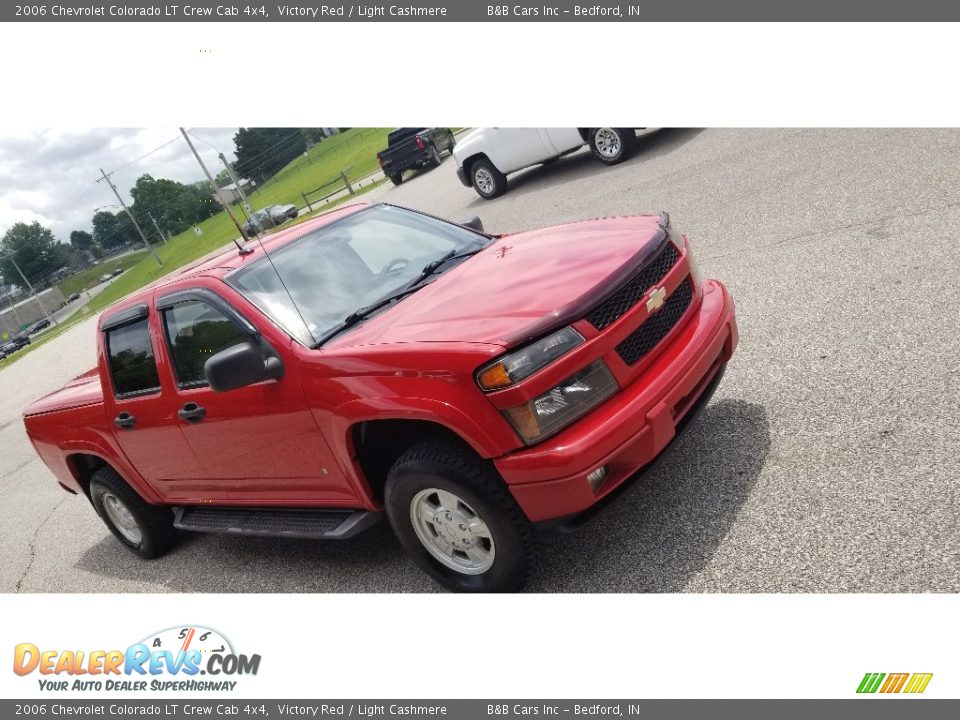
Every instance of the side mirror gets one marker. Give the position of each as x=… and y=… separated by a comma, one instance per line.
x=239, y=366
x=474, y=223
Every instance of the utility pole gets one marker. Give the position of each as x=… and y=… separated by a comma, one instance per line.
x=216, y=193
x=16, y=314
x=33, y=292
x=243, y=198
x=132, y=218
x=156, y=227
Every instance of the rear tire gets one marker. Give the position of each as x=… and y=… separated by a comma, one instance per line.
x=456, y=519
x=487, y=180
x=396, y=179
x=145, y=529
x=612, y=145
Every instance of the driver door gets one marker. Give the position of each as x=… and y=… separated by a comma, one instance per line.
x=259, y=444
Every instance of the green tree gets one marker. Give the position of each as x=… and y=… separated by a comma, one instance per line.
x=261, y=152
x=222, y=178
x=107, y=232
x=81, y=239
x=34, y=250
x=172, y=204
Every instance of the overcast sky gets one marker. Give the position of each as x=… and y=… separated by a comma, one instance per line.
x=50, y=175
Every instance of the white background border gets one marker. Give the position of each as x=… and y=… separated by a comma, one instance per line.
x=523, y=646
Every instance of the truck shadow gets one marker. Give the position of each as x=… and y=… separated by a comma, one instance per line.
x=664, y=533
x=655, y=539
x=582, y=164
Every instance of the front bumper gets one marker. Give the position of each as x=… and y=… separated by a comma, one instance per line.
x=462, y=177
x=630, y=430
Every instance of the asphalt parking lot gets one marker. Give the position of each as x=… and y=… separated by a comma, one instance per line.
x=827, y=461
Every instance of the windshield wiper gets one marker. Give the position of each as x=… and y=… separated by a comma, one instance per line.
x=432, y=267
x=358, y=315
x=429, y=270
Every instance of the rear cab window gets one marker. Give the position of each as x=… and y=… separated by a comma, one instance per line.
x=133, y=366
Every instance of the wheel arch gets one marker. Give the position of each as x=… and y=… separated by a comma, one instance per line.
x=83, y=464
x=469, y=161
x=378, y=443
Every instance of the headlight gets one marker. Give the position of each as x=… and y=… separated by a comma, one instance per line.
x=554, y=410
x=692, y=264
x=516, y=366
x=684, y=245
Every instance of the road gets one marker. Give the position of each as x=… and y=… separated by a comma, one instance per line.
x=826, y=462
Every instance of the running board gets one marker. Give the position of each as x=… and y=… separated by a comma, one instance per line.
x=275, y=522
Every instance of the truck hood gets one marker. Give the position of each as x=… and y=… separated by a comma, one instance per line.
x=519, y=287
x=82, y=390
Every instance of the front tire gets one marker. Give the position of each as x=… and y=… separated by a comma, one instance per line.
x=612, y=145
x=455, y=518
x=145, y=529
x=487, y=180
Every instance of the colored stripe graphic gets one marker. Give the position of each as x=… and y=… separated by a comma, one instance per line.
x=870, y=682
x=894, y=682
x=918, y=683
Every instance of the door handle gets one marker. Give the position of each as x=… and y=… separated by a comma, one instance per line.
x=192, y=412
x=125, y=420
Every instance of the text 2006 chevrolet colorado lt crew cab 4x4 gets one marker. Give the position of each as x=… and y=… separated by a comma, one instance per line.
x=475, y=388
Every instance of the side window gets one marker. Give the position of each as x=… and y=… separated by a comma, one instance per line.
x=195, y=332
x=132, y=364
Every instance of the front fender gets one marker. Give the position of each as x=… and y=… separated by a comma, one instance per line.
x=425, y=409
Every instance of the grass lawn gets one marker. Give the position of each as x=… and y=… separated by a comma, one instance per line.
x=89, y=278
x=354, y=151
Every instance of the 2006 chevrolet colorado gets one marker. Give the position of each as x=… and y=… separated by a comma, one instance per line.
x=475, y=388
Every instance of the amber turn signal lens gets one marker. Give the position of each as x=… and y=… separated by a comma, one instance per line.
x=524, y=421
x=494, y=377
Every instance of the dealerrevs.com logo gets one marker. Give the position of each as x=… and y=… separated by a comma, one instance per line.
x=176, y=659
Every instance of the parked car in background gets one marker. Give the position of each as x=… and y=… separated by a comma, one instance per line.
x=72, y=298
x=38, y=326
x=271, y=216
x=473, y=388
x=117, y=271
x=281, y=213
x=263, y=219
x=9, y=347
x=487, y=155
x=414, y=148
x=106, y=277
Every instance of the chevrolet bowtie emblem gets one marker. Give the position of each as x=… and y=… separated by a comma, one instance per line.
x=655, y=301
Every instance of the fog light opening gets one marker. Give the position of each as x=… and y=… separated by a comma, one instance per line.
x=596, y=478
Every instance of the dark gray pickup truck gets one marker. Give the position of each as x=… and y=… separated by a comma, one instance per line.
x=414, y=148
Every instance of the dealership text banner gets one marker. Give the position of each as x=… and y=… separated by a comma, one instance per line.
x=472, y=11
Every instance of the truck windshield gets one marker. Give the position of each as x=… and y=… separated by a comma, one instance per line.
x=348, y=265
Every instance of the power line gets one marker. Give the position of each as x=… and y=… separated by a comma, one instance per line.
x=132, y=218
x=144, y=156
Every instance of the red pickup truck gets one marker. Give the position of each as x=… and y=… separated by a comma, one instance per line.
x=476, y=389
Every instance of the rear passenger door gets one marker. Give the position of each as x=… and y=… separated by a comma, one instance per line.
x=147, y=432
x=260, y=443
